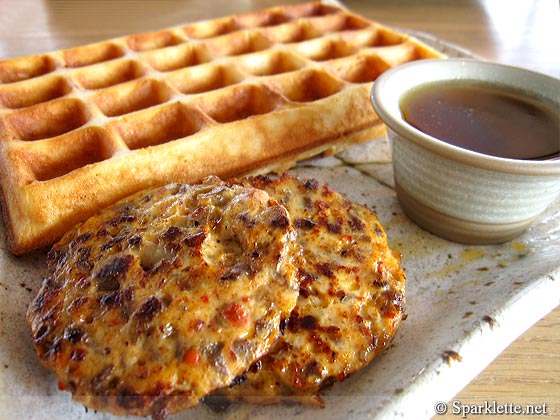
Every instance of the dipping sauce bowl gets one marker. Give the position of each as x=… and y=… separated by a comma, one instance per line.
x=454, y=191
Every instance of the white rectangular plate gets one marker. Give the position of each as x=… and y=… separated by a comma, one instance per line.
x=465, y=304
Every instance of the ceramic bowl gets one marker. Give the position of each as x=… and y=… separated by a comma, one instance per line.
x=453, y=192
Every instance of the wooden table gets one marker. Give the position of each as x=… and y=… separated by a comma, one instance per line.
x=523, y=33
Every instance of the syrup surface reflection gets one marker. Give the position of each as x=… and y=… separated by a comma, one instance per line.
x=485, y=118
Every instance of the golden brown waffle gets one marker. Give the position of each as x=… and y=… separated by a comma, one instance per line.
x=83, y=127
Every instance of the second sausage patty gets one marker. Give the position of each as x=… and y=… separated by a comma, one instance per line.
x=351, y=296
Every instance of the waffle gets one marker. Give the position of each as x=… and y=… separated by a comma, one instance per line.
x=249, y=93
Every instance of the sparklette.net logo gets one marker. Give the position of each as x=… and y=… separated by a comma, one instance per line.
x=489, y=408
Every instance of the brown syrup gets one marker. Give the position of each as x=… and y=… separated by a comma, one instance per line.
x=485, y=118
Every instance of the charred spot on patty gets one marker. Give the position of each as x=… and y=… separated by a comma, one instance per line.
x=73, y=334
x=108, y=277
x=235, y=271
x=356, y=224
x=149, y=309
x=171, y=233
x=304, y=223
x=280, y=220
x=311, y=184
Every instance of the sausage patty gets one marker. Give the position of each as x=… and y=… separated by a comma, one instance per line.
x=166, y=296
x=350, y=301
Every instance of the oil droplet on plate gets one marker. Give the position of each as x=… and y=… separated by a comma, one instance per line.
x=471, y=254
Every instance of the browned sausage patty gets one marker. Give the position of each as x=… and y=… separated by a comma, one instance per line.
x=350, y=301
x=166, y=296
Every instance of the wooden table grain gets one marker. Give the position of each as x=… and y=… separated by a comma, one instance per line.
x=522, y=33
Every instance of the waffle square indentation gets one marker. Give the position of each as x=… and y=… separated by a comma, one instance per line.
x=239, y=102
x=271, y=62
x=158, y=125
x=310, y=10
x=204, y=78
x=47, y=119
x=292, y=32
x=152, y=40
x=308, y=86
x=25, y=68
x=362, y=68
x=271, y=17
x=373, y=37
x=92, y=54
x=333, y=23
x=237, y=43
x=108, y=74
x=322, y=50
x=131, y=96
x=173, y=58
x=33, y=91
x=70, y=152
x=211, y=28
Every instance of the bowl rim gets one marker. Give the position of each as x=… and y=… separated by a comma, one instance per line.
x=394, y=121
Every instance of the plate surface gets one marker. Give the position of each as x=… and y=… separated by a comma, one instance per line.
x=465, y=304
